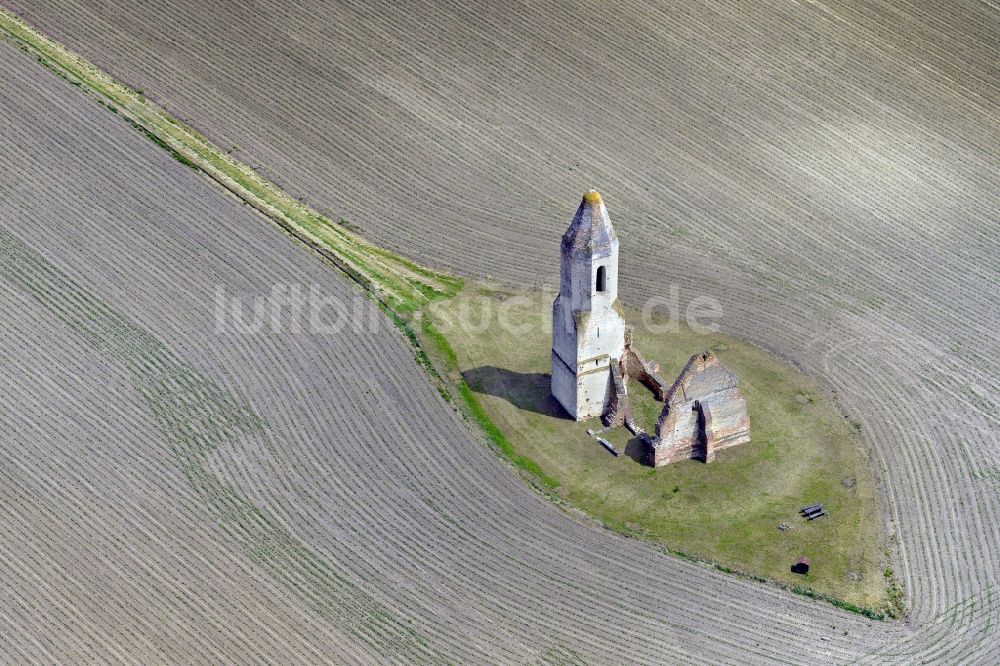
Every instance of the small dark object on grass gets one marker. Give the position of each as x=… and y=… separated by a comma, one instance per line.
x=813, y=511
x=802, y=566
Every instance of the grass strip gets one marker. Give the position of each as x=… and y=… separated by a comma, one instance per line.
x=399, y=283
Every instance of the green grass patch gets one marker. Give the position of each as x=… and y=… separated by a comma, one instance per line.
x=725, y=514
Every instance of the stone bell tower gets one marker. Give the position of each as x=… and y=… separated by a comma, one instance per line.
x=588, y=331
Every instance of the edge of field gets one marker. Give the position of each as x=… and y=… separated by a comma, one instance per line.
x=395, y=281
x=401, y=287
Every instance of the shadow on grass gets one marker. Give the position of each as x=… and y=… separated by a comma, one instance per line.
x=530, y=391
x=638, y=450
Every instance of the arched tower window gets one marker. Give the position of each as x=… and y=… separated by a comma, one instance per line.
x=602, y=279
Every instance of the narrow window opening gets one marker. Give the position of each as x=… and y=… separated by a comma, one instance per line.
x=602, y=279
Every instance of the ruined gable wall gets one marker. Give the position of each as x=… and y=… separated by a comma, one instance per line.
x=705, y=389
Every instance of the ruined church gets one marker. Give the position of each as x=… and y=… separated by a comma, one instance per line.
x=593, y=356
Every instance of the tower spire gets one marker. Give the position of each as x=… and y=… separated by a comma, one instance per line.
x=591, y=229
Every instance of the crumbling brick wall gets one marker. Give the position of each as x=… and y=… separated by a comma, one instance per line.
x=704, y=412
x=618, y=411
x=648, y=373
x=630, y=366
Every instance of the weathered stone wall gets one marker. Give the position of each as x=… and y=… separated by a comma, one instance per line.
x=704, y=412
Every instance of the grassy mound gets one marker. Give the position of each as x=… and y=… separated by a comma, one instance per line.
x=728, y=512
